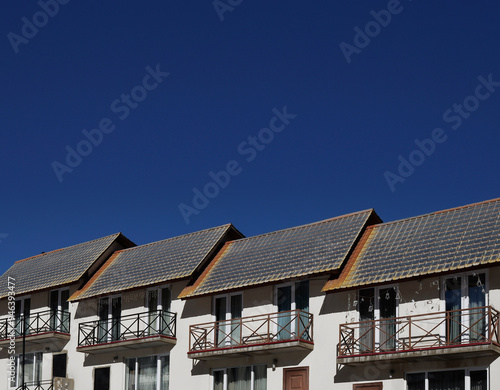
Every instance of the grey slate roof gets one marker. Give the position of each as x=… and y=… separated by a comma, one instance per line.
x=154, y=263
x=434, y=243
x=296, y=252
x=56, y=268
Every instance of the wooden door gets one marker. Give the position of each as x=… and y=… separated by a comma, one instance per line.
x=368, y=386
x=296, y=378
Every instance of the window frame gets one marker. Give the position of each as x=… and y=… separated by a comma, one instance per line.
x=376, y=304
x=466, y=375
x=160, y=303
x=376, y=307
x=59, y=321
x=293, y=285
x=465, y=302
x=110, y=317
x=224, y=370
x=464, y=291
x=158, y=358
x=18, y=357
x=228, y=304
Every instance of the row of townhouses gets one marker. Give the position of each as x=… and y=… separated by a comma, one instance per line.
x=348, y=303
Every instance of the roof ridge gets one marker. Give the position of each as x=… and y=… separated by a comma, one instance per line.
x=67, y=247
x=174, y=238
x=437, y=212
x=302, y=226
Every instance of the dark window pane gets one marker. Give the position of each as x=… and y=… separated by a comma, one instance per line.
x=479, y=380
x=59, y=365
x=101, y=378
x=415, y=381
x=218, y=380
x=447, y=380
x=302, y=295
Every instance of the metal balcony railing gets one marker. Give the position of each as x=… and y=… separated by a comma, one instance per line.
x=447, y=329
x=293, y=325
x=129, y=327
x=36, y=323
x=37, y=385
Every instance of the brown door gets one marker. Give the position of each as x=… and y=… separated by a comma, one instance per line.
x=368, y=386
x=296, y=378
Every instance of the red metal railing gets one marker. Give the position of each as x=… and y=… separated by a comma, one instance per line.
x=474, y=326
x=292, y=325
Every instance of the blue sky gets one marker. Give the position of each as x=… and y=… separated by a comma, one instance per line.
x=183, y=89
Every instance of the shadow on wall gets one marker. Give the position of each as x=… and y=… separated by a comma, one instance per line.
x=284, y=359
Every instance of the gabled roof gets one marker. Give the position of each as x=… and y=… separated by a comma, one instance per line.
x=158, y=262
x=59, y=267
x=439, y=242
x=311, y=249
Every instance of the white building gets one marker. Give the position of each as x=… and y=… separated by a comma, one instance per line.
x=40, y=309
x=345, y=303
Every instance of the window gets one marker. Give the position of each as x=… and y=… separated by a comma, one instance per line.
x=101, y=378
x=109, y=312
x=241, y=378
x=32, y=368
x=148, y=373
x=227, y=311
x=465, y=291
x=59, y=363
x=378, y=303
x=22, y=311
x=59, y=310
x=290, y=297
x=158, y=304
x=472, y=379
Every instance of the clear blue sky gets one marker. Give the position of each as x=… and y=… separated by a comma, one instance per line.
x=358, y=108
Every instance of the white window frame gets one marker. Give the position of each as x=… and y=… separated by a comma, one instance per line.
x=158, y=369
x=110, y=312
x=464, y=291
x=159, y=297
x=293, y=304
x=23, y=299
x=159, y=305
x=228, y=309
x=376, y=305
x=467, y=375
x=465, y=286
x=225, y=369
x=59, y=303
x=18, y=367
x=228, y=304
x=292, y=285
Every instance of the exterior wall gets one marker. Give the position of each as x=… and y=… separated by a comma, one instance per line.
x=82, y=365
x=419, y=297
x=260, y=300
x=39, y=303
x=329, y=312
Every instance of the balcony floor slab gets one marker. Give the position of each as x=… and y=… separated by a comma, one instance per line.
x=259, y=349
x=133, y=344
x=440, y=353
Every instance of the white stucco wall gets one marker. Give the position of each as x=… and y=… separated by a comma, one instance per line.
x=329, y=312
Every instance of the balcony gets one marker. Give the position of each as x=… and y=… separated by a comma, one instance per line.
x=456, y=334
x=44, y=329
x=269, y=333
x=134, y=331
x=54, y=384
x=37, y=385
